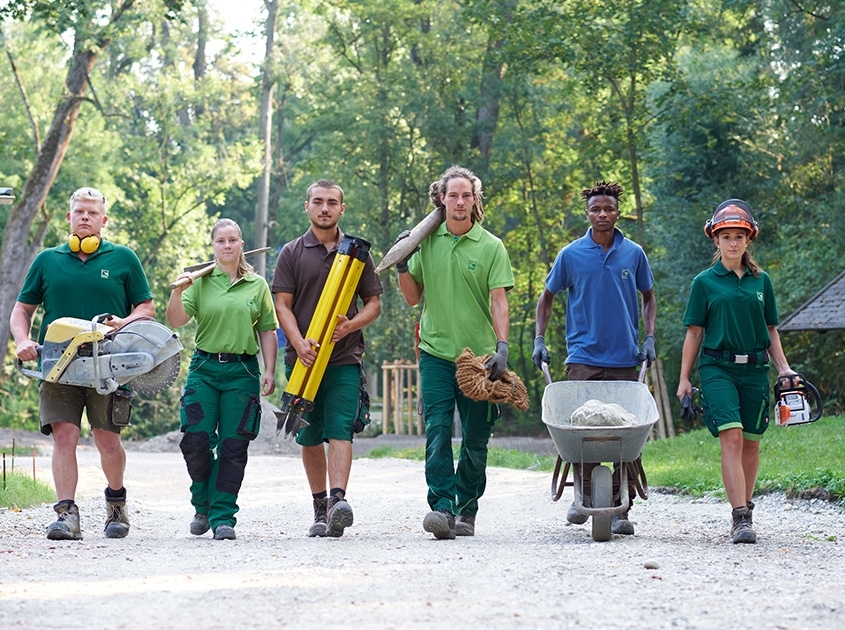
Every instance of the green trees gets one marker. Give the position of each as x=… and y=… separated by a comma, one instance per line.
x=684, y=103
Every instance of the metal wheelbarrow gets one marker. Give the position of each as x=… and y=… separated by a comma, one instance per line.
x=596, y=445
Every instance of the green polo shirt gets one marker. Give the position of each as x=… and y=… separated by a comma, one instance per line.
x=111, y=280
x=457, y=277
x=229, y=316
x=734, y=312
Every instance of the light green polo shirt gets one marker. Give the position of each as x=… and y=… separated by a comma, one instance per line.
x=229, y=316
x=734, y=312
x=457, y=276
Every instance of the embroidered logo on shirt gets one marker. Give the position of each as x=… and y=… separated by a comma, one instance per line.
x=104, y=274
x=625, y=274
x=471, y=265
x=759, y=296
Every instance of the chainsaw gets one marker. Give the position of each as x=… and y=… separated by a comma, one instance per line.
x=90, y=354
x=795, y=399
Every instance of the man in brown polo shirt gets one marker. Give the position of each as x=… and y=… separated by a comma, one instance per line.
x=301, y=272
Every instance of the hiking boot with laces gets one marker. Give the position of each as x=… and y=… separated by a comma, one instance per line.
x=339, y=516
x=620, y=524
x=320, y=526
x=741, y=530
x=465, y=525
x=441, y=523
x=750, y=506
x=224, y=532
x=199, y=525
x=66, y=527
x=117, y=522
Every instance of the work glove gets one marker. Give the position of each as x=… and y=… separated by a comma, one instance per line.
x=498, y=363
x=647, y=353
x=541, y=353
x=402, y=265
x=689, y=410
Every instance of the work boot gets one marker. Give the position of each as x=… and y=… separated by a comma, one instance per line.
x=320, y=526
x=117, y=523
x=620, y=524
x=574, y=516
x=224, y=532
x=199, y=525
x=465, y=525
x=66, y=527
x=741, y=531
x=339, y=515
x=440, y=523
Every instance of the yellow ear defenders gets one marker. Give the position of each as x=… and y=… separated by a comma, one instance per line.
x=87, y=244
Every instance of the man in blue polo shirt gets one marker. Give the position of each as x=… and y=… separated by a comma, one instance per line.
x=601, y=273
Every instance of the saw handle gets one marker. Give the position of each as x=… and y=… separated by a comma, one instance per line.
x=181, y=282
x=800, y=384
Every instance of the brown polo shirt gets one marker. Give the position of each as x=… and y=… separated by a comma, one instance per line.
x=301, y=270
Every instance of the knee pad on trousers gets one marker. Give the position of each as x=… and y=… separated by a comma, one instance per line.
x=195, y=447
x=231, y=465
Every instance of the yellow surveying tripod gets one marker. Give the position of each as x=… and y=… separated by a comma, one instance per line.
x=337, y=296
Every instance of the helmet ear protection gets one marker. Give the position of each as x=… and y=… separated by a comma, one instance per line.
x=733, y=213
x=87, y=244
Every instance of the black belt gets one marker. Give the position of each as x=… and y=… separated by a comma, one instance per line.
x=225, y=357
x=727, y=355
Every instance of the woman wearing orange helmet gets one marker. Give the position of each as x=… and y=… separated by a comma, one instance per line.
x=732, y=318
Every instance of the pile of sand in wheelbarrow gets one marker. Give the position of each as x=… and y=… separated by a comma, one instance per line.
x=595, y=413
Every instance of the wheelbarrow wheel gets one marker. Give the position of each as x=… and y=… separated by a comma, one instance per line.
x=602, y=496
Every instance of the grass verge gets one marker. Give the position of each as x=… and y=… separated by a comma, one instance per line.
x=23, y=491
x=799, y=460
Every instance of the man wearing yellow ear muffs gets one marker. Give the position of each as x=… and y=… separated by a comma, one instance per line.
x=84, y=277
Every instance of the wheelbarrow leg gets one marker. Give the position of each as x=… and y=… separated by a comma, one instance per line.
x=602, y=497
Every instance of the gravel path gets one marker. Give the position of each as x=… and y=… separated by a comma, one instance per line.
x=525, y=568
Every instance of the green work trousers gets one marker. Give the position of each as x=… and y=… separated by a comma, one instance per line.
x=456, y=491
x=220, y=414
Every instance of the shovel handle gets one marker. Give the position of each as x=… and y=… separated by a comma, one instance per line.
x=181, y=282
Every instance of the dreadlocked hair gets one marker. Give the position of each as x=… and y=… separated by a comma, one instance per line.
x=612, y=189
x=439, y=188
x=244, y=267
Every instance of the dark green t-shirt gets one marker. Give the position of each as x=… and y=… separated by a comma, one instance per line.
x=734, y=312
x=111, y=280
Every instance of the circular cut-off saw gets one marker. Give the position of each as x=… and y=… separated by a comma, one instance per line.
x=90, y=354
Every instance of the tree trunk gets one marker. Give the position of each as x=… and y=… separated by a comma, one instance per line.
x=264, y=134
x=202, y=42
x=17, y=251
x=487, y=116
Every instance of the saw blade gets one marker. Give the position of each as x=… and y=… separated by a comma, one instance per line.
x=159, y=378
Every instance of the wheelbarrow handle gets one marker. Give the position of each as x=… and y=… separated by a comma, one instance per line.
x=546, y=373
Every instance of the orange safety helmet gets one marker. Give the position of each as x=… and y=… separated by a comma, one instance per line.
x=733, y=213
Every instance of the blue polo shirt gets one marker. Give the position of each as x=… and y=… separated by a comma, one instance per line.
x=602, y=305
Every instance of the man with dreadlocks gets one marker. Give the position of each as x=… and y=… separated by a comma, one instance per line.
x=601, y=273
x=465, y=274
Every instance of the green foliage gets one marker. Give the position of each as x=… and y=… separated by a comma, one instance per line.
x=686, y=103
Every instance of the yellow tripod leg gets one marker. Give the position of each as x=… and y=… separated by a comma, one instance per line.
x=335, y=299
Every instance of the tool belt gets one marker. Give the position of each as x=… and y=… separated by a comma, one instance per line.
x=727, y=355
x=225, y=357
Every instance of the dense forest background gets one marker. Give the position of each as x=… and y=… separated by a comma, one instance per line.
x=685, y=102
